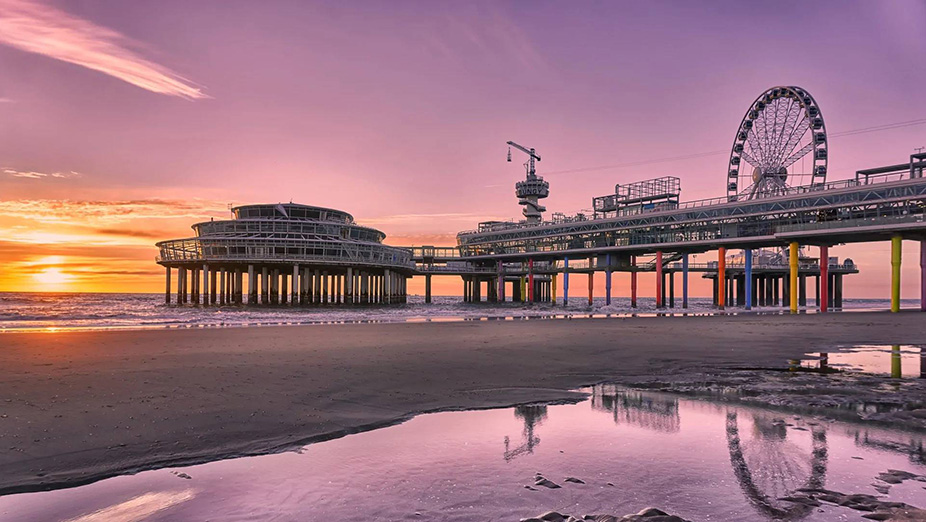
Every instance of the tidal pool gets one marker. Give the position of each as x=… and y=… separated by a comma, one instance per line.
x=897, y=360
x=627, y=449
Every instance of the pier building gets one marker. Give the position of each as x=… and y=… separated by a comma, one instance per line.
x=288, y=254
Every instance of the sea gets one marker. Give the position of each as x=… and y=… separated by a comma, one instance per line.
x=35, y=312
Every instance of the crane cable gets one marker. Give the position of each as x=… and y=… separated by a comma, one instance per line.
x=853, y=132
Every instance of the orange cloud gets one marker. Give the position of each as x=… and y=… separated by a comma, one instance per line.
x=39, y=175
x=76, y=211
x=45, y=30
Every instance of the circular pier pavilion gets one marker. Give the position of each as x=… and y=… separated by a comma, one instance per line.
x=286, y=254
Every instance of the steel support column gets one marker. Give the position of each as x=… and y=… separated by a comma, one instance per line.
x=923, y=280
x=607, y=281
x=721, y=277
x=685, y=281
x=792, y=262
x=566, y=281
x=659, y=279
x=747, y=257
x=633, y=281
x=530, y=280
x=896, y=245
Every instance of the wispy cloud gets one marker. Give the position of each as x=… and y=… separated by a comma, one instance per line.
x=7, y=100
x=39, y=175
x=74, y=211
x=45, y=30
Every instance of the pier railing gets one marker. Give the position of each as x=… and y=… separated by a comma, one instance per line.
x=205, y=251
x=859, y=181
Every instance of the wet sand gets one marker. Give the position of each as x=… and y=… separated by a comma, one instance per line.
x=79, y=406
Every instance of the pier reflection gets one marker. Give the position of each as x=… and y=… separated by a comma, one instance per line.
x=533, y=415
x=650, y=411
x=897, y=361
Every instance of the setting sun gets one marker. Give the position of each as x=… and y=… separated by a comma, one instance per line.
x=52, y=276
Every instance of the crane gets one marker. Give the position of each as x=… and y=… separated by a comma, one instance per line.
x=531, y=172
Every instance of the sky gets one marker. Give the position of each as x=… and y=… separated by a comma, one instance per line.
x=122, y=123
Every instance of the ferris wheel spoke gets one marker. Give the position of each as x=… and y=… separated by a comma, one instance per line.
x=749, y=159
x=799, y=132
x=798, y=155
x=786, y=129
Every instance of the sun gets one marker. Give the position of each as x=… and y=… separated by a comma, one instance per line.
x=52, y=276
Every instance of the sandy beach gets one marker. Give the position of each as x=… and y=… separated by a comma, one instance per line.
x=79, y=406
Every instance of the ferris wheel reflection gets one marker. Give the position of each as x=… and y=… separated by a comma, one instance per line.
x=770, y=463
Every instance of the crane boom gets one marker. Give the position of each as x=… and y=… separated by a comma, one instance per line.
x=529, y=152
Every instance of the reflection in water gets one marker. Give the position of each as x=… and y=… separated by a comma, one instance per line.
x=769, y=466
x=898, y=443
x=897, y=361
x=136, y=508
x=533, y=416
x=726, y=462
x=653, y=412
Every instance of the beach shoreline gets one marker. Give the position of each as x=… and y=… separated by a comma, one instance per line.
x=81, y=406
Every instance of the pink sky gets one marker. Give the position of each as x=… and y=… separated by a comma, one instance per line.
x=120, y=117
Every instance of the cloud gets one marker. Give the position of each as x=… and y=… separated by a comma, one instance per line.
x=39, y=175
x=76, y=211
x=45, y=30
x=7, y=100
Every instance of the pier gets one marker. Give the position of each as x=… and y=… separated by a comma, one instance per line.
x=771, y=232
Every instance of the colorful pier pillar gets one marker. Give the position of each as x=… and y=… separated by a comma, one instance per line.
x=500, y=280
x=721, y=277
x=896, y=243
x=896, y=368
x=553, y=288
x=591, y=279
x=923, y=277
x=792, y=261
x=659, y=279
x=607, y=281
x=565, y=281
x=530, y=280
x=824, y=278
x=523, y=289
x=685, y=281
x=633, y=281
x=747, y=278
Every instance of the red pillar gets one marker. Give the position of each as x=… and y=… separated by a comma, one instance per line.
x=633, y=280
x=658, y=279
x=824, y=277
x=591, y=280
x=721, y=276
x=530, y=280
x=923, y=277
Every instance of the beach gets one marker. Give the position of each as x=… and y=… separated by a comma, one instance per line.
x=79, y=406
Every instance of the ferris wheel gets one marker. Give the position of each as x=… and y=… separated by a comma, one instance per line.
x=780, y=144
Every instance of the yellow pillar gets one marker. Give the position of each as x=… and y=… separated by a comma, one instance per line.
x=523, y=289
x=792, y=258
x=896, y=372
x=553, y=288
x=896, y=243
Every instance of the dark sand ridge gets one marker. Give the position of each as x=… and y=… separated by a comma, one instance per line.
x=79, y=406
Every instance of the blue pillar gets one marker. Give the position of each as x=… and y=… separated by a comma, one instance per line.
x=607, y=281
x=685, y=281
x=748, y=255
x=565, y=281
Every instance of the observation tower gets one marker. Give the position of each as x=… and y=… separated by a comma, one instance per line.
x=292, y=253
x=532, y=189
